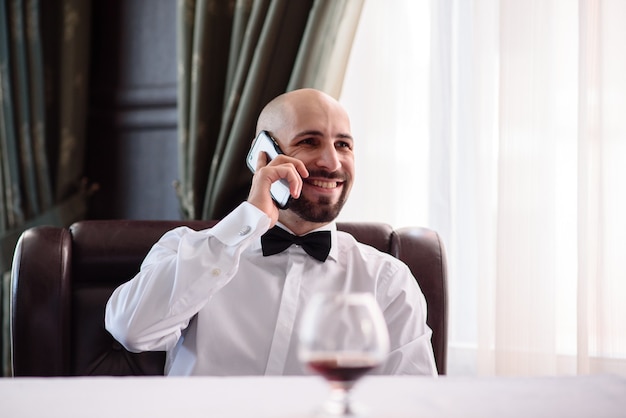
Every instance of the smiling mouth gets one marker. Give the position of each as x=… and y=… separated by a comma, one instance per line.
x=325, y=184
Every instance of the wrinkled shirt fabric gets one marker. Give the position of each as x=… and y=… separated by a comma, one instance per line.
x=217, y=306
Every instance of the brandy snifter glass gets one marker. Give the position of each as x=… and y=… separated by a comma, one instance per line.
x=342, y=337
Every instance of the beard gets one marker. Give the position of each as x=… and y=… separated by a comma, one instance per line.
x=320, y=210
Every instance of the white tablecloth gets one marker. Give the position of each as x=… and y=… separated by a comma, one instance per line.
x=276, y=397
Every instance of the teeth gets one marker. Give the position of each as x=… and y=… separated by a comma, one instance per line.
x=324, y=184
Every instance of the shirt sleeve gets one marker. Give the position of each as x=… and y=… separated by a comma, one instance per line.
x=404, y=309
x=177, y=278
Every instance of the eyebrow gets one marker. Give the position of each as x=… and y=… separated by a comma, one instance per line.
x=314, y=132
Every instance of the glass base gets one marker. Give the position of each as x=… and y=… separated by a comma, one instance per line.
x=340, y=404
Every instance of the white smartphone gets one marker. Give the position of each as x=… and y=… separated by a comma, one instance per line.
x=280, y=188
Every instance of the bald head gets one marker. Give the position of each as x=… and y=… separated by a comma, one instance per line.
x=292, y=108
x=312, y=127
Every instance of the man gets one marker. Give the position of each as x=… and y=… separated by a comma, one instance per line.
x=219, y=304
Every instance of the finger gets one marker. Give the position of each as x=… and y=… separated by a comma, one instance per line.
x=296, y=163
x=286, y=172
x=262, y=160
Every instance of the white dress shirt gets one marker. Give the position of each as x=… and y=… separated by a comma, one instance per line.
x=219, y=307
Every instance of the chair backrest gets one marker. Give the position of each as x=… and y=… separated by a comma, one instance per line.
x=62, y=278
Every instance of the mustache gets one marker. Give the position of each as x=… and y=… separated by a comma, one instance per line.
x=335, y=175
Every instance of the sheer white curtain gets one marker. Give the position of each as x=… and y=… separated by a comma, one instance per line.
x=502, y=125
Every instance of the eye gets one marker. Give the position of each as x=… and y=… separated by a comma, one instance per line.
x=306, y=141
x=344, y=144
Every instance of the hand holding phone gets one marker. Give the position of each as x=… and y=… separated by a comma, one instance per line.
x=280, y=188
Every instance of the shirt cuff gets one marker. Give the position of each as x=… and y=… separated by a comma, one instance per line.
x=246, y=222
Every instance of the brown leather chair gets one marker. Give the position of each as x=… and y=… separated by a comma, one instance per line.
x=62, y=278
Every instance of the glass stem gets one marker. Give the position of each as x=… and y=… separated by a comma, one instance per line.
x=339, y=402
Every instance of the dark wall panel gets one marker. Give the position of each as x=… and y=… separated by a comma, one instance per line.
x=132, y=128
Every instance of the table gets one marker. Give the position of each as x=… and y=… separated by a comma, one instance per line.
x=278, y=397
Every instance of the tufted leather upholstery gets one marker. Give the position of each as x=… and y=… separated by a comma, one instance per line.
x=62, y=278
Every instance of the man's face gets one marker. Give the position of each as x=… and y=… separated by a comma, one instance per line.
x=319, y=135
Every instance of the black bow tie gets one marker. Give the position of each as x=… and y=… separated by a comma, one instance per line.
x=316, y=244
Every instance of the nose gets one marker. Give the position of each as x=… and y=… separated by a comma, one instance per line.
x=328, y=159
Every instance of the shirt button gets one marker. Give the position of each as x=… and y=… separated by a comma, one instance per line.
x=216, y=272
x=245, y=230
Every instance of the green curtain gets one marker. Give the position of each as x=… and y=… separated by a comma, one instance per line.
x=43, y=82
x=233, y=57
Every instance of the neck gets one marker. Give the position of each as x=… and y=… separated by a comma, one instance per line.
x=296, y=224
